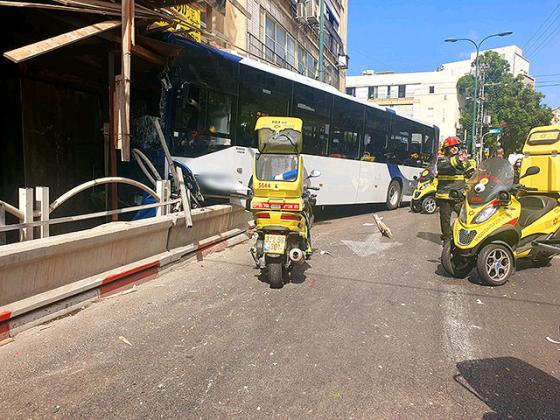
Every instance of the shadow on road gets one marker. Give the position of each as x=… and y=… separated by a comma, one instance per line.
x=323, y=215
x=511, y=388
x=430, y=236
x=297, y=274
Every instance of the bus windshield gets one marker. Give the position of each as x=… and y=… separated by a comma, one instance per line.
x=273, y=167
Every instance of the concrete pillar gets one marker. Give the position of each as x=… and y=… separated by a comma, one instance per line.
x=2, y=223
x=26, y=206
x=42, y=198
x=160, y=191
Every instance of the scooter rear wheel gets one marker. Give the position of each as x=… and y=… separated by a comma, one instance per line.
x=276, y=273
x=495, y=264
x=455, y=265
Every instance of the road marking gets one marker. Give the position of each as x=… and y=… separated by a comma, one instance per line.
x=372, y=245
x=457, y=340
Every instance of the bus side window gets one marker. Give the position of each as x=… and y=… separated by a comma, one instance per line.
x=219, y=120
x=189, y=108
x=397, y=148
x=428, y=155
x=415, y=149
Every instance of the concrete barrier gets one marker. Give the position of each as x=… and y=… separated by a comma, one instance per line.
x=83, y=259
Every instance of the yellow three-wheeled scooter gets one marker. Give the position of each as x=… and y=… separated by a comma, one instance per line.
x=282, y=202
x=501, y=222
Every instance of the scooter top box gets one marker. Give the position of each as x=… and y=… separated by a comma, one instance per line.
x=279, y=135
x=543, y=141
x=542, y=149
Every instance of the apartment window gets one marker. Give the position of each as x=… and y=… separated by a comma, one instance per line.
x=351, y=91
x=280, y=47
x=311, y=66
x=432, y=89
x=430, y=112
x=402, y=91
x=270, y=39
x=388, y=91
x=302, y=60
x=291, y=51
x=373, y=92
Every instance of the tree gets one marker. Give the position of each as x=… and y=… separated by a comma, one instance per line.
x=507, y=99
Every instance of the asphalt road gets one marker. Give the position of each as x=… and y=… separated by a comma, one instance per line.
x=371, y=329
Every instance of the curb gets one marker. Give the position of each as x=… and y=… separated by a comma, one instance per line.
x=27, y=313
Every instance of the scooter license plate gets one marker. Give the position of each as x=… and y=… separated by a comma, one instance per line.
x=274, y=244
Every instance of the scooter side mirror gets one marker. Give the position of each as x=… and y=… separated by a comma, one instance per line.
x=531, y=170
x=314, y=174
x=454, y=194
x=415, y=178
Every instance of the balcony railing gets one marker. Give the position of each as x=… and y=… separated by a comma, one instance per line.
x=259, y=49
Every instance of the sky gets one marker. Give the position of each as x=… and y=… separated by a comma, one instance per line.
x=407, y=35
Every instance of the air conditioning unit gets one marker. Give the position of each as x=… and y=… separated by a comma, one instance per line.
x=300, y=11
x=312, y=12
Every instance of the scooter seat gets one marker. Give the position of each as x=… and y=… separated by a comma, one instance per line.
x=534, y=207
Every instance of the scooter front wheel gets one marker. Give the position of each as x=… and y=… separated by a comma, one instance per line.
x=457, y=266
x=495, y=264
x=429, y=205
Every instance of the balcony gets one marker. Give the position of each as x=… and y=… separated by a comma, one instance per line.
x=258, y=49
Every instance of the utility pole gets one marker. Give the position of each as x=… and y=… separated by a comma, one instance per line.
x=321, y=41
x=475, y=93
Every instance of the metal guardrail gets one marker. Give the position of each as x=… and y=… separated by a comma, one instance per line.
x=34, y=204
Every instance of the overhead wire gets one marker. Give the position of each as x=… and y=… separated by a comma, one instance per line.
x=532, y=37
x=544, y=38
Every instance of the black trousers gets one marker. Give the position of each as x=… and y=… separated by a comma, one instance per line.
x=446, y=208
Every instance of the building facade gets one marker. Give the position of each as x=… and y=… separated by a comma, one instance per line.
x=555, y=116
x=284, y=33
x=429, y=96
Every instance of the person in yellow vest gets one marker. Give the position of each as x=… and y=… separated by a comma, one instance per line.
x=452, y=169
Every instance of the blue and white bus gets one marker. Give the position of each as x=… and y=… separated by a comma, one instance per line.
x=366, y=153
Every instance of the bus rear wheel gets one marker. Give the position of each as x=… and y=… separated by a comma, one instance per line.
x=394, y=195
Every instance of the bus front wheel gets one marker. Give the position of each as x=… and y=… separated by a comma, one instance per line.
x=394, y=195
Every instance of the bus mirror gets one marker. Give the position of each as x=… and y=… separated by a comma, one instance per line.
x=314, y=173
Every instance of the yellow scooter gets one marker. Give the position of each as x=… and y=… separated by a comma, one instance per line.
x=501, y=222
x=282, y=202
x=424, y=196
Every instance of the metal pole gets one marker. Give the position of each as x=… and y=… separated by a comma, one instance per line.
x=475, y=100
x=481, y=148
x=321, y=41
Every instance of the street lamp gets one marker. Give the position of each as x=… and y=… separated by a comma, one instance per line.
x=475, y=95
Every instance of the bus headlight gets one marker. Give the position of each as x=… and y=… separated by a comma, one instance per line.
x=485, y=214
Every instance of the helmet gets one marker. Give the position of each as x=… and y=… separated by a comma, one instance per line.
x=450, y=141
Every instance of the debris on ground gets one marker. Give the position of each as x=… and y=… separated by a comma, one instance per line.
x=368, y=224
x=383, y=228
x=551, y=340
x=6, y=341
x=323, y=252
x=124, y=340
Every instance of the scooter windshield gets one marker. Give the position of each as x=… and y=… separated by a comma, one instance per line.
x=273, y=167
x=492, y=177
